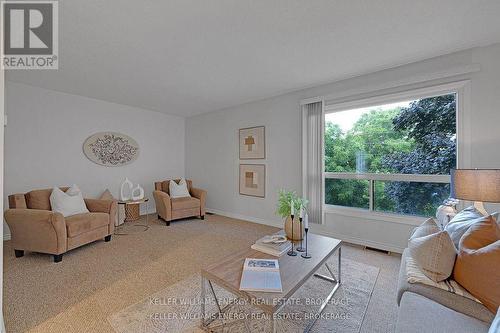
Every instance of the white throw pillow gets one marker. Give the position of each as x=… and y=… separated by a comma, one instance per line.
x=69, y=203
x=434, y=254
x=178, y=190
x=427, y=228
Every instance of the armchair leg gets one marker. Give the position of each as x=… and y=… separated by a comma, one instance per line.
x=58, y=257
x=107, y=238
x=162, y=219
x=202, y=217
x=19, y=253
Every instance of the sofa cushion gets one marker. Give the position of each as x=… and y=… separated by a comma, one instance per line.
x=434, y=254
x=419, y=314
x=40, y=199
x=461, y=222
x=429, y=227
x=477, y=264
x=185, y=203
x=81, y=223
x=456, y=302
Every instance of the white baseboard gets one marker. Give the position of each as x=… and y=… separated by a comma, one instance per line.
x=277, y=224
x=349, y=239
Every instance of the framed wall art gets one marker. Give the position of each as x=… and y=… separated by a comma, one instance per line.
x=253, y=180
x=252, y=143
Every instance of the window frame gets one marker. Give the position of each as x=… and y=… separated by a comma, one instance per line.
x=462, y=91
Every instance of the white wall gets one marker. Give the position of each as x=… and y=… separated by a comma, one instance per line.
x=212, y=141
x=212, y=154
x=45, y=134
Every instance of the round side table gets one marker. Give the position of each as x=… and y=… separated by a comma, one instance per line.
x=132, y=214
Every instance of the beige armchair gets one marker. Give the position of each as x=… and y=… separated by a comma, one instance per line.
x=34, y=227
x=169, y=209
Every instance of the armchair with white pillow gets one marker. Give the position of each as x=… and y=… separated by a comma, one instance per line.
x=54, y=221
x=177, y=199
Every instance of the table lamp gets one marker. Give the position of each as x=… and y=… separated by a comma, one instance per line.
x=477, y=185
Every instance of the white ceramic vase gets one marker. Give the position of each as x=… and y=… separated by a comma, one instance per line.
x=137, y=193
x=126, y=190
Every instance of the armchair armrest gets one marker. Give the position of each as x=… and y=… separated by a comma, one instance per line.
x=202, y=196
x=104, y=206
x=17, y=201
x=163, y=205
x=37, y=230
x=99, y=206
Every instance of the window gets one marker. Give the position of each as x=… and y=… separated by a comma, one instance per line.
x=392, y=156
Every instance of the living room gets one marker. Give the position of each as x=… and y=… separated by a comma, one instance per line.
x=164, y=159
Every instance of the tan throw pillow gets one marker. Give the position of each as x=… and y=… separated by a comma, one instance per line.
x=120, y=216
x=434, y=254
x=477, y=267
x=106, y=195
x=429, y=227
x=461, y=222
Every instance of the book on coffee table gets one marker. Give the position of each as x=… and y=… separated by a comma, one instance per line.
x=272, y=245
x=261, y=275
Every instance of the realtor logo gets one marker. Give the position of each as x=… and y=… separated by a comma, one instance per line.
x=29, y=34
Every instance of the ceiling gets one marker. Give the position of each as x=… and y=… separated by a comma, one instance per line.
x=186, y=57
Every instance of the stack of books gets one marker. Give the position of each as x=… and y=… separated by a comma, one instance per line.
x=275, y=245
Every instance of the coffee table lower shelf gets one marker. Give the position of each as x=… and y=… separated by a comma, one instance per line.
x=206, y=321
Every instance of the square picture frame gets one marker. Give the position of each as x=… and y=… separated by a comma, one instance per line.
x=252, y=180
x=252, y=143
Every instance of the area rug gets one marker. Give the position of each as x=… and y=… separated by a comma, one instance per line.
x=177, y=307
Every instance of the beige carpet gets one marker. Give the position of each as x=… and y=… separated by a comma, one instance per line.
x=100, y=279
x=177, y=308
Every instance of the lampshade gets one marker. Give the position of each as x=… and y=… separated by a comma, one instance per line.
x=476, y=184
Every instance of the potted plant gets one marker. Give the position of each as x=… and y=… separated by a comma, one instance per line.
x=285, y=199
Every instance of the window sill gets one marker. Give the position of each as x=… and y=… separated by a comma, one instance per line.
x=371, y=215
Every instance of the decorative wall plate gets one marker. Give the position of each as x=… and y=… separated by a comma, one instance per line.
x=111, y=149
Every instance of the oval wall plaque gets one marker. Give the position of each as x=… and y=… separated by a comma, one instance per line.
x=111, y=149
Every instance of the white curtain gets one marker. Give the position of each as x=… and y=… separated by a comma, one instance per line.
x=312, y=166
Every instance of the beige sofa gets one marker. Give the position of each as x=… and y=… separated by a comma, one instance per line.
x=424, y=308
x=34, y=227
x=169, y=209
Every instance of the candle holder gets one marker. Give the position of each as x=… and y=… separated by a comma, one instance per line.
x=292, y=253
x=306, y=254
x=301, y=248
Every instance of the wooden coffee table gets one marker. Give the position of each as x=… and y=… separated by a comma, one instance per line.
x=295, y=271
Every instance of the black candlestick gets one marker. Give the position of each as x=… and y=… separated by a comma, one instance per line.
x=292, y=252
x=306, y=255
x=301, y=248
